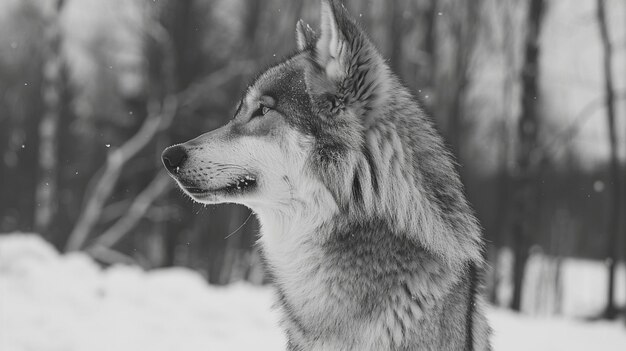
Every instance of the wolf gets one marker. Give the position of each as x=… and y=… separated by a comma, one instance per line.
x=365, y=228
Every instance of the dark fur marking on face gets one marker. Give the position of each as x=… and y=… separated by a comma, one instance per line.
x=286, y=83
x=258, y=126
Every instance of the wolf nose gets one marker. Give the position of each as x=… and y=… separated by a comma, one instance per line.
x=174, y=157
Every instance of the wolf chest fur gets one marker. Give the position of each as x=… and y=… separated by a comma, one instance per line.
x=364, y=225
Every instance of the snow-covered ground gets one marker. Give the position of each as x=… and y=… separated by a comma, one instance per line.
x=52, y=302
x=571, y=287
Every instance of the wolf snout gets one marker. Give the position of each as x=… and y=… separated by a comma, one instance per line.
x=174, y=157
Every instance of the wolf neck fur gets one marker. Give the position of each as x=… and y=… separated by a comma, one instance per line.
x=302, y=245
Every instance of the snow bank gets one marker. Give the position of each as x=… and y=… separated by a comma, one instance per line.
x=513, y=332
x=52, y=302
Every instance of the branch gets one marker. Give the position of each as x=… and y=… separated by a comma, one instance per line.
x=114, y=210
x=545, y=151
x=111, y=256
x=119, y=157
x=192, y=96
x=136, y=212
x=112, y=170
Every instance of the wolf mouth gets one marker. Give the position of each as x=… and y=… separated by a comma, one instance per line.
x=239, y=185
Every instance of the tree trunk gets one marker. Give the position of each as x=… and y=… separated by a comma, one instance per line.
x=528, y=126
x=624, y=220
x=614, y=171
x=396, y=32
x=430, y=40
x=53, y=84
x=503, y=194
x=465, y=32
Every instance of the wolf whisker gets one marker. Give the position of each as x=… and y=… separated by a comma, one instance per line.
x=238, y=228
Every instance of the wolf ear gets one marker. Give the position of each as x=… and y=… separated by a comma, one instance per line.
x=305, y=36
x=352, y=68
x=332, y=45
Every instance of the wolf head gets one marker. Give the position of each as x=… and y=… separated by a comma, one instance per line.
x=331, y=132
x=312, y=108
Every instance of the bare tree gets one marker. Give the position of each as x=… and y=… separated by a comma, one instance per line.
x=527, y=131
x=465, y=33
x=430, y=40
x=503, y=184
x=53, y=84
x=614, y=168
x=396, y=32
x=623, y=220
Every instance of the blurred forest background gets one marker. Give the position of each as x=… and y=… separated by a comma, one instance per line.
x=530, y=95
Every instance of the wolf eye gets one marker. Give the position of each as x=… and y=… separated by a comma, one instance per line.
x=261, y=111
